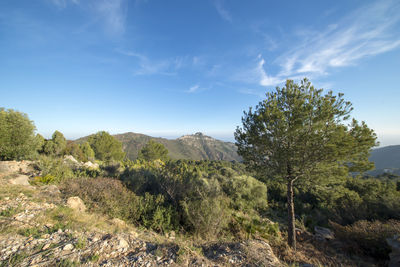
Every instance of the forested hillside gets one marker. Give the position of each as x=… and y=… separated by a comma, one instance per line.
x=194, y=147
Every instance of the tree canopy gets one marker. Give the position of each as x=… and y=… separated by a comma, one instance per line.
x=106, y=147
x=87, y=151
x=17, y=135
x=297, y=131
x=153, y=151
x=56, y=145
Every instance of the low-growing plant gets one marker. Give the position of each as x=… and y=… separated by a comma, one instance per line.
x=9, y=212
x=46, y=179
x=66, y=263
x=35, y=232
x=92, y=258
x=14, y=259
x=81, y=243
x=366, y=237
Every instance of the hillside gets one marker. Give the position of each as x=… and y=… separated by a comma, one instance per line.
x=196, y=147
x=386, y=159
x=40, y=225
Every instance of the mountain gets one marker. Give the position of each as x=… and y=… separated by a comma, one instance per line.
x=196, y=147
x=386, y=159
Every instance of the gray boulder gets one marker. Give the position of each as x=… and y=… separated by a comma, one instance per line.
x=394, y=244
x=322, y=233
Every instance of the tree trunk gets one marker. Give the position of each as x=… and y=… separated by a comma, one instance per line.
x=291, y=219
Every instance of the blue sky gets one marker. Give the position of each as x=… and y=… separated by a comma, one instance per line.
x=168, y=68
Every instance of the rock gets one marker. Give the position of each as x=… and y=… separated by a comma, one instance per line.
x=91, y=165
x=76, y=203
x=71, y=159
x=134, y=234
x=11, y=167
x=394, y=244
x=46, y=246
x=171, y=235
x=51, y=189
x=323, y=233
x=20, y=180
x=122, y=244
x=68, y=247
x=118, y=222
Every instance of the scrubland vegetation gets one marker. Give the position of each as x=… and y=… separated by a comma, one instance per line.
x=288, y=160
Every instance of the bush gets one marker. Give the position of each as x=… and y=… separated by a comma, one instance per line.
x=155, y=214
x=207, y=216
x=46, y=179
x=202, y=194
x=17, y=138
x=110, y=197
x=106, y=147
x=105, y=195
x=367, y=237
x=53, y=170
x=246, y=193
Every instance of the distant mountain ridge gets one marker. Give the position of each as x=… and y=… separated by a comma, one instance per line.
x=196, y=147
x=199, y=146
x=386, y=159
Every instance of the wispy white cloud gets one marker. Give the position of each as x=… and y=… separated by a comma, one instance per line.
x=264, y=78
x=196, y=88
x=247, y=91
x=113, y=14
x=365, y=32
x=155, y=67
x=64, y=3
x=110, y=13
x=222, y=11
x=193, y=88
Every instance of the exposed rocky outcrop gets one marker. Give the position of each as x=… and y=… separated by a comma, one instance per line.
x=14, y=168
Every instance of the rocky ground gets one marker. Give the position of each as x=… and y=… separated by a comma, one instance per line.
x=40, y=228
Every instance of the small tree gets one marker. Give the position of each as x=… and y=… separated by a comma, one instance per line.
x=296, y=131
x=153, y=151
x=40, y=141
x=17, y=135
x=74, y=150
x=106, y=147
x=87, y=151
x=56, y=145
x=60, y=143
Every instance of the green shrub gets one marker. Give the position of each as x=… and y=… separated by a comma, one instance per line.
x=155, y=214
x=46, y=179
x=246, y=193
x=54, y=167
x=207, y=216
x=17, y=136
x=367, y=237
x=106, y=195
x=9, y=212
x=110, y=197
x=81, y=243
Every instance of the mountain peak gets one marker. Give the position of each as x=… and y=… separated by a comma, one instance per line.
x=196, y=136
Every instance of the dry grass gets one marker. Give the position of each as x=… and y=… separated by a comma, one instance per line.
x=318, y=253
x=12, y=191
